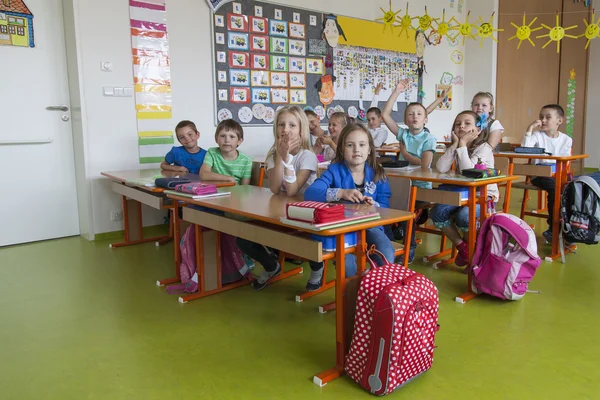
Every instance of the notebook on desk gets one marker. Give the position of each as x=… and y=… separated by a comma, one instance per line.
x=351, y=216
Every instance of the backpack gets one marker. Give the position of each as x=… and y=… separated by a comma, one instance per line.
x=505, y=258
x=233, y=266
x=580, y=211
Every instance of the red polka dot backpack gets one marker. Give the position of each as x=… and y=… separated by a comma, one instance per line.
x=394, y=327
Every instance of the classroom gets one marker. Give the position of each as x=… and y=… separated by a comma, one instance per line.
x=99, y=301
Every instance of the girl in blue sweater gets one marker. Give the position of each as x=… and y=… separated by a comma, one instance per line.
x=353, y=176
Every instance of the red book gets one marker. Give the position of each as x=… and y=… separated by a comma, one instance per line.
x=315, y=212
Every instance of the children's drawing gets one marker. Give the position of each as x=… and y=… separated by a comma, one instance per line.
x=297, y=31
x=279, y=63
x=524, y=31
x=446, y=79
x=245, y=115
x=297, y=64
x=259, y=110
x=259, y=43
x=406, y=23
x=486, y=30
x=239, y=77
x=446, y=103
x=258, y=25
x=237, y=22
x=325, y=88
x=425, y=21
x=556, y=33
x=332, y=30
x=224, y=114
x=457, y=57
x=16, y=24
x=239, y=95
x=458, y=80
x=466, y=29
x=260, y=78
x=389, y=18
x=279, y=45
x=261, y=96
x=278, y=28
x=238, y=59
x=297, y=47
x=592, y=30
x=279, y=79
x=317, y=47
x=297, y=96
x=219, y=21
x=279, y=96
x=314, y=65
x=238, y=41
x=269, y=115
x=297, y=80
x=259, y=61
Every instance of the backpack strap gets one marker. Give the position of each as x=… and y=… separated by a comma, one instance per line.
x=519, y=230
x=481, y=242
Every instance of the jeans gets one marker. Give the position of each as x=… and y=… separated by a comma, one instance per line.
x=441, y=214
x=374, y=236
x=549, y=185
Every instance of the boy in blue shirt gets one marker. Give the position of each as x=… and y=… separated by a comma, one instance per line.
x=416, y=143
x=189, y=156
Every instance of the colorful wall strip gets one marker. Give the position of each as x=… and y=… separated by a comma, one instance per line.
x=152, y=78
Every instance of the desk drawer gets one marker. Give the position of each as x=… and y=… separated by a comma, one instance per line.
x=533, y=170
x=288, y=242
x=154, y=200
x=439, y=196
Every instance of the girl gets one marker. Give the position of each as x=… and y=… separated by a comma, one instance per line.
x=356, y=177
x=328, y=144
x=483, y=105
x=469, y=144
x=291, y=168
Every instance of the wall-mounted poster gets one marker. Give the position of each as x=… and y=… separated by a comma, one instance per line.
x=297, y=80
x=240, y=77
x=279, y=79
x=317, y=47
x=279, y=63
x=238, y=59
x=259, y=43
x=297, y=64
x=279, y=45
x=278, y=28
x=237, y=41
x=314, y=65
x=279, y=96
x=297, y=47
x=297, y=31
x=237, y=22
x=260, y=78
x=239, y=95
x=259, y=61
x=259, y=25
x=261, y=95
x=297, y=96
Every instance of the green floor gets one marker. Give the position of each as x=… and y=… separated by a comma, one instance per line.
x=82, y=321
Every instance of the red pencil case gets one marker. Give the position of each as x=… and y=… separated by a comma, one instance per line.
x=315, y=212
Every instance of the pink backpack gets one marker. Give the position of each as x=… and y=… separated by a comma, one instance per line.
x=233, y=266
x=505, y=258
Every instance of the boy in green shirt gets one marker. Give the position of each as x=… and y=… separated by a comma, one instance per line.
x=226, y=163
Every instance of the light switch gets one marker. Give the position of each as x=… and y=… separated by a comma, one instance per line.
x=118, y=92
x=108, y=91
x=128, y=92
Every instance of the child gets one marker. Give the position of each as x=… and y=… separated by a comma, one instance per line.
x=416, y=145
x=469, y=145
x=314, y=125
x=189, y=157
x=378, y=132
x=483, y=105
x=226, y=163
x=291, y=168
x=356, y=177
x=328, y=144
x=544, y=133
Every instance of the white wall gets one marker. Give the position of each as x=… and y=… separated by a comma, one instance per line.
x=592, y=123
x=109, y=137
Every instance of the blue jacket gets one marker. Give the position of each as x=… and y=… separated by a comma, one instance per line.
x=338, y=176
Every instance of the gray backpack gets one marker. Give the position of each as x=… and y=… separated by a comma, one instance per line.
x=580, y=211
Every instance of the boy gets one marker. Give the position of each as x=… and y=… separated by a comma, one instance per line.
x=314, y=127
x=189, y=156
x=226, y=163
x=378, y=132
x=416, y=143
x=544, y=133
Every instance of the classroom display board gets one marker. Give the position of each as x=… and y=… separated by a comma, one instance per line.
x=269, y=55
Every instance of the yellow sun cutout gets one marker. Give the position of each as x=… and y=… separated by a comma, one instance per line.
x=406, y=23
x=465, y=29
x=486, y=30
x=592, y=31
x=425, y=21
x=389, y=17
x=524, y=31
x=556, y=34
x=444, y=28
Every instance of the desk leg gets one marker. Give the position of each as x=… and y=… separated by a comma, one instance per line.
x=507, y=191
x=132, y=223
x=325, y=377
x=176, y=240
x=463, y=298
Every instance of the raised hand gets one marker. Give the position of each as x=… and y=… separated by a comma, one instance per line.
x=402, y=86
x=378, y=88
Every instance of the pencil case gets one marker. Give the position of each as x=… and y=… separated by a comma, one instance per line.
x=170, y=183
x=530, y=150
x=196, y=188
x=395, y=164
x=480, y=173
x=315, y=212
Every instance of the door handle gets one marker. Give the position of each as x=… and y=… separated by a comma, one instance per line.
x=57, y=108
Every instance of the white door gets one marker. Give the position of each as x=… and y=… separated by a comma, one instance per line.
x=38, y=196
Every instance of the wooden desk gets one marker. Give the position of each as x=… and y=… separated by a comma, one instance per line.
x=452, y=198
x=394, y=152
x=562, y=169
x=133, y=196
x=261, y=205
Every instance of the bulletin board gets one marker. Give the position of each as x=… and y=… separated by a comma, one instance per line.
x=270, y=55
